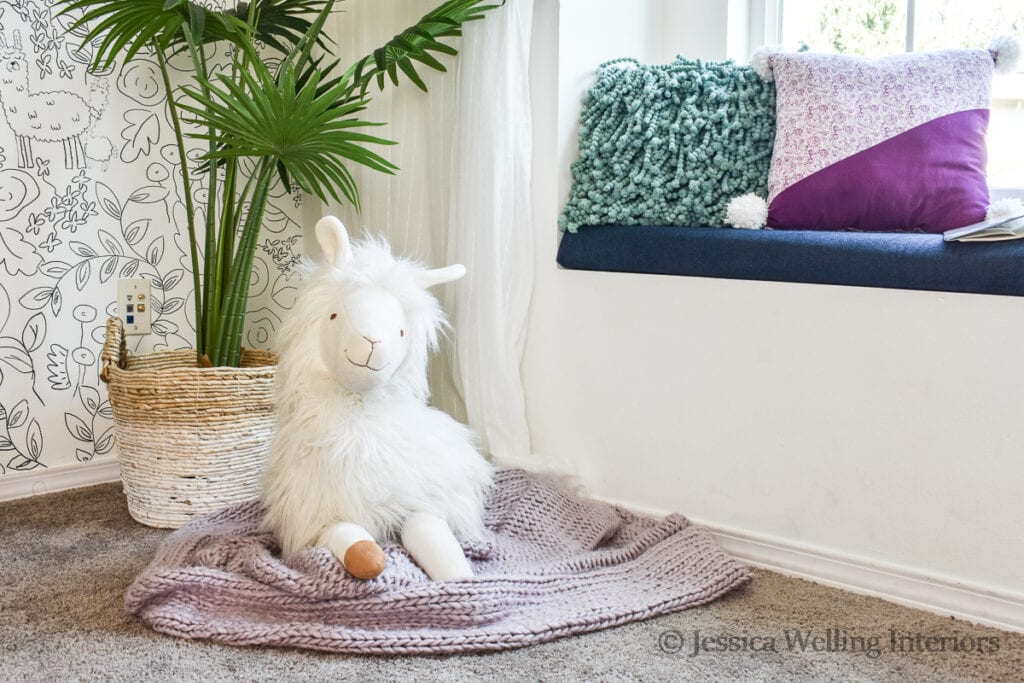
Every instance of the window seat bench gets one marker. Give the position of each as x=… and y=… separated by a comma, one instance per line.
x=863, y=259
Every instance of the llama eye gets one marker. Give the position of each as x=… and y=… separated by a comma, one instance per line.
x=333, y=316
x=401, y=333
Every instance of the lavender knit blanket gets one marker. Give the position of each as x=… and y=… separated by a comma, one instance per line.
x=558, y=564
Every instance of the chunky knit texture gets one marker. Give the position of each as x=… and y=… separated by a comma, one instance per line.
x=670, y=144
x=556, y=564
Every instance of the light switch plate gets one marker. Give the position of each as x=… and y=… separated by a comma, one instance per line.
x=134, y=305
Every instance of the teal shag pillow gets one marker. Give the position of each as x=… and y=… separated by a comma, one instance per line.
x=670, y=144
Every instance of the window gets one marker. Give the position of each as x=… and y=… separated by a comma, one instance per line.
x=871, y=28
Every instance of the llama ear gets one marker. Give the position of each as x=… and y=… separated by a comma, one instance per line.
x=333, y=240
x=17, y=40
x=3, y=41
x=439, y=276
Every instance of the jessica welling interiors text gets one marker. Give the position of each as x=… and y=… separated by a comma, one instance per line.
x=830, y=640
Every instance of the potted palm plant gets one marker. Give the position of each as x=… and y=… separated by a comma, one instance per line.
x=293, y=114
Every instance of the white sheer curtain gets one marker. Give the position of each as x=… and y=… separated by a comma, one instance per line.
x=462, y=196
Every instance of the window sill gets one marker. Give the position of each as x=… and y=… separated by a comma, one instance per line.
x=860, y=259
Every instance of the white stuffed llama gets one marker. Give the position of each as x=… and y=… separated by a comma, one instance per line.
x=358, y=455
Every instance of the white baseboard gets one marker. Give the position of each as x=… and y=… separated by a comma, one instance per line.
x=949, y=597
x=51, y=480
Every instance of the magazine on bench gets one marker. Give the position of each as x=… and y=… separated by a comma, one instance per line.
x=1008, y=227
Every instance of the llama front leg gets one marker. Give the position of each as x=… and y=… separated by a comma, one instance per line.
x=355, y=548
x=432, y=544
x=74, y=153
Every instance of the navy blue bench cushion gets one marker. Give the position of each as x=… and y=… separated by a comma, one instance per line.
x=864, y=259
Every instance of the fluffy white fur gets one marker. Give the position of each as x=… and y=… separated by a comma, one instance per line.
x=749, y=212
x=760, y=61
x=1005, y=51
x=356, y=441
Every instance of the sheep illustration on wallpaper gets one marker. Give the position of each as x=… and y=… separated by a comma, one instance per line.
x=88, y=195
x=44, y=115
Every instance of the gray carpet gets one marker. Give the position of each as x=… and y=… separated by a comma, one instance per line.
x=67, y=558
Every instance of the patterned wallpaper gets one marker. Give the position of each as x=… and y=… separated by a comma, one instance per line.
x=88, y=195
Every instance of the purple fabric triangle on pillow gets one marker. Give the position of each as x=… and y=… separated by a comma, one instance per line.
x=929, y=179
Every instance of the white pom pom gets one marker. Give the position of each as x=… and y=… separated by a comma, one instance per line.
x=760, y=61
x=1005, y=51
x=1004, y=208
x=749, y=212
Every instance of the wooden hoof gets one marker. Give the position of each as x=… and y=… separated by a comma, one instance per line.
x=364, y=560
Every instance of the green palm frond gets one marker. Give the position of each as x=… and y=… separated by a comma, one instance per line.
x=280, y=24
x=305, y=129
x=123, y=27
x=415, y=44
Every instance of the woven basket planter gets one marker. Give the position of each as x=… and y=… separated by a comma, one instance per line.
x=190, y=440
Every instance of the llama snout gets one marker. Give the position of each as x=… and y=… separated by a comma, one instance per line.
x=362, y=363
x=360, y=352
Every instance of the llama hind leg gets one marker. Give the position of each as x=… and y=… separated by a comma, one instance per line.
x=430, y=541
x=25, y=159
x=355, y=549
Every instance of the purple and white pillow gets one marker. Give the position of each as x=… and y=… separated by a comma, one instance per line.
x=890, y=144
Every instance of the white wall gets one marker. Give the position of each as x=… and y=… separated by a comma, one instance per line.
x=879, y=425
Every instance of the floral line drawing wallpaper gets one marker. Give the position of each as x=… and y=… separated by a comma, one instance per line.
x=89, y=194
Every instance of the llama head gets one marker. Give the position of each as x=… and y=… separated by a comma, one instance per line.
x=366, y=316
x=13, y=65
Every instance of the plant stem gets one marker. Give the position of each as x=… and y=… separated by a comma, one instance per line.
x=225, y=244
x=210, y=252
x=246, y=254
x=231, y=217
x=236, y=226
x=186, y=183
x=229, y=337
